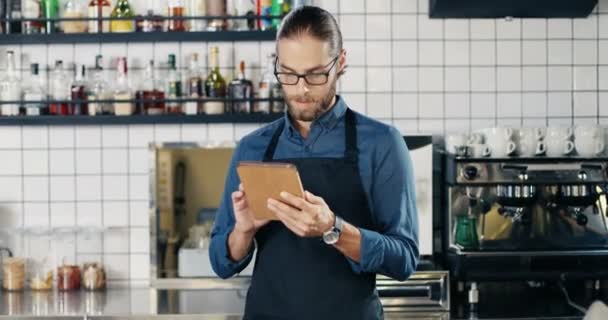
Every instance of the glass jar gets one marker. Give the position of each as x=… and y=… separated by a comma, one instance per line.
x=13, y=274
x=93, y=276
x=74, y=9
x=68, y=277
x=466, y=232
x=40, y=266
x=68, y=271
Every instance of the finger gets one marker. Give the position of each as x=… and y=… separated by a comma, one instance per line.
x=313, y=199
x=300, y=221
x=237, y=195
x=294, y=213
x=295, y=201
x=241, y=188
x=291, y=224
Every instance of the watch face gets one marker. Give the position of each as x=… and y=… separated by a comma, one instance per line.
x=331, y=237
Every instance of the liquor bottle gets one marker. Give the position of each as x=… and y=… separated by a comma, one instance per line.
x=174, y=87
x=14, y=12
x=196, y=8
x=78, y=91
x=195, y=85
x=215, y=86
x=122, y=10
x=10, y=87
x=59, y=91
x=276, y=91
x=264, y=9
x=279, y=8
x=30, y=9
x=240, y=88
x=216, y=8
x=99, y=9
x=150, y=97
x=265, y=86
x=244, y=8
x=50, y=10
x=74, y=9
x=122, y=91
x=99, y=91
x=176, y=10
x=33, y=94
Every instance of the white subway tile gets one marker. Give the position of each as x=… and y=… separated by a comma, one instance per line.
x=352, y=6
x=508, y=105
x=456, y=29
x=427, y=126
x=509, y=78
x=457, y=53
x=11, y=188
x=379, y=105
x=534, y=122
x=585, y=52
x=508, y=52
x=139, y=187
x=603, y=77
x=167, y=133
x=509, y=122
x=35, y=162
x=162, y=51
x=221, y=132
x=379, y=53
x=35, y=137
x=355, y=101
x=534, y=78
x=10, y=137
x=583, y=121
x=483, y=79
x=560, y=104
x=61, y=137
x=406, y=126
x=139, y=214
x=63, y=188
x=457, y=105
x=36, y=188
x=457, y=126
x=379, y=79
x=408, y=6
x=482, y=123
x=483, y=105
x=115, y=187
x=140, y=240
x=11, y=215
x=114, y=136
x=115, y=213
x=246, y=51
x=329, y=5
x=88, y=161
x=585, y=28
x=534, y=52
x=139, y=160
x=603, y=102
x=90, y=241
x=559, y=121
x=139, y=54
x=88, y=188
x=378, y=27
x=508, y=29
x=35, y=53
x=423, y=7
x=405, y=105
x=226, y=54
x=355, y=52
x=603, y=21
x=115, y=161
x=457, y=79
x=61, y=161
x=560, y=78
x=534, y=28
x=430, y=79
x=429, y=28
x=534, y=104
x=36, y=214
x=378, y=6
x=64, y=52
x=352, y=26
x=116, y=240
x=585, y=78
x=11, y=162
x=405, y=79
x=241, y=130
x=89, y=214
x=83, y=258
x=405, y=27
x=431, y=105
x=117, y=266
x=353, y=80
x=585, y=104
x=141, y=135
x=405, y=53
x=483, y=53
x=603, y=55
x=88, y=136
x=63, y=214
x=86, y=53
x=112, y=51
x=560, y=52
x=483, y=29
x=140, y=267
x=559, y=28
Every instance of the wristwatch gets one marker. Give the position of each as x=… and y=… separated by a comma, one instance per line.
x=333, y=235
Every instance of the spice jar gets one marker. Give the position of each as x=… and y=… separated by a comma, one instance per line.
x=93, y=276
x=39, y=253
x=13, y=278
x=68, y=277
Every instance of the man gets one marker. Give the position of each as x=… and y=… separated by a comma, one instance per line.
x=358, y=217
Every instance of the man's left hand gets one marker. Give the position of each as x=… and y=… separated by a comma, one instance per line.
x=306, y=217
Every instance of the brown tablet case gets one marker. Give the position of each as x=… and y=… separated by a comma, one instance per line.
x=263, y=180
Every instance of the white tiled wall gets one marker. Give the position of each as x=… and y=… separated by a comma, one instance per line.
x=419, y=74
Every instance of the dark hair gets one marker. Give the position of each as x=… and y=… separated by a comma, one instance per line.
x=315, y=22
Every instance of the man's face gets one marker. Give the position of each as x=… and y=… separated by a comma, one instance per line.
x=305, y=55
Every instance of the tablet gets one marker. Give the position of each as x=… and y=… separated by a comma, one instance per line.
x=264, y=180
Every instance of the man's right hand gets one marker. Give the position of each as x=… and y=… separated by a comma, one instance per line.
x=245, y=226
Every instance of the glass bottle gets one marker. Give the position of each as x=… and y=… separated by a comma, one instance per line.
x=466, y=232
x=216, y=8
x=59, y=90
x=265, y=86
x=99, y=9
x=264, y=9
x=122, y=10
x=176, y=9
x=153, y=98
x=276, y=91
x=215, y=86
x=122, y=90
x=153, y=20
x=78, y=91
x=33, y=94
x=30, y=9
x=174, y=87
x=196, y=8
x=240, y=88
x=195, y=85
x=74, y=9
x=13, y=9
x=50, y=10
x=10, y=87
x=99, y=91
x=244, y=8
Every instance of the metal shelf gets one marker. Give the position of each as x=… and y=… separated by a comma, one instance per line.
x=204, y=36
x=137, y=119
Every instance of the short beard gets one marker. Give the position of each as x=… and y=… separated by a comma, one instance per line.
x=321, y=106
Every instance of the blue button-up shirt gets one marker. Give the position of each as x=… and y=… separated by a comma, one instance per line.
x=386, y=174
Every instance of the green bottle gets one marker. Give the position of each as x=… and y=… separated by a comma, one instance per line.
x=279, y=8
x=466, y=232
x=50, y=10
x=215, y=86
x=122, y=10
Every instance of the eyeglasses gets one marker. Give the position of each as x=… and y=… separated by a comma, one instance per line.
x=313, y=79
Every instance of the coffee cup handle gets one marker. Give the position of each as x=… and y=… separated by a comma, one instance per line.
x=486, y=151
x=569, y=147
x=569, y=133
x=508, y=133
x=539, y=134
x=541, y=148
x=511, y=148
x=599, y=147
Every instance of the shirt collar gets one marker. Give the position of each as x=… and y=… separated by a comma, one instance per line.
x=327, y=121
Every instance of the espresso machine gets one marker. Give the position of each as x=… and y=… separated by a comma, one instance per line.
x=525, y=219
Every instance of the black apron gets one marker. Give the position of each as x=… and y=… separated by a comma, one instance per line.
x=304, y=278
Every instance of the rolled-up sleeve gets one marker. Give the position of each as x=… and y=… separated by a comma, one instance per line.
x=391, y=249
x=219, y=255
